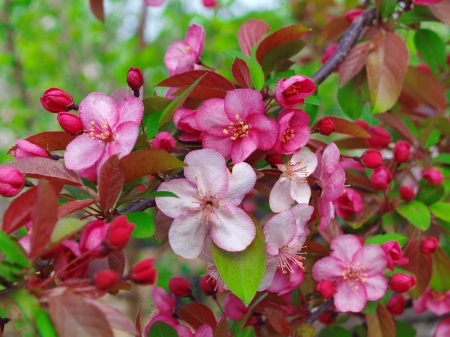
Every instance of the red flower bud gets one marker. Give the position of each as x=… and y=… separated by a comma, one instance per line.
x=401, y=151
x=424, y=67
x=402, y=282
x=328, y=317
x=208, y=286
x=180, y=287
x=407, y=193
x=164, y=141
x=92, y=237
x=143, y=272
x=119, y=233
x=429, y=245
x=274, y=158
x=353, y=14
x=326, y=126
x=135, y=78
x=433, y=176
x=56, y=100
x=371, y=159
x=209, y=3
x=11, y=181
x=26, y=149
x=396, y=304
x=105, y=279
x=380, y=137
x=293, y=91
x=325, y=288
x=380, y=178
x=362, y=123
x=70, y=123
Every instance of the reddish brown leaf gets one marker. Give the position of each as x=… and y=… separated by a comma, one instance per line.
x=333, y=229
x=358, y=180
x=380, y=323
x=52, y=170
x=137, y=322
x=201, y=92
x=334, y=28
x=155, y=104
x=355, y=61
x=359, y=219
x=387, y=62
x=141, y=163
x=110, y=183
x=50, y=141
x=265, y=184
x=162, y=226
x=441, y=10
x=314, y=247
x=398, y=125
x=44, y=217
x=425, y=88
x=351, y=143
x=278, y=319
x=346, y=127
x=116, y=261
x=19, y=210
x=222, y=328
x=278, y=38
x=74, y=317
x=73, y=206
x=315, y=144
x=241, y=73
x=210, y=80
x=116, y=319
x=197, y=314
x=251, y=33
x=97, y=9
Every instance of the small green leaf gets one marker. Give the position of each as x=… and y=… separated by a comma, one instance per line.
x=441, y=210
x=432, y=49
x=433, y=138
x=248, y=331
x=151, y=124
x=64, y=228
x=335, y=331
x=404, y=329
x=382, y=238
x=314, y=100
x=416, y=212
x=354, y=95
x=145, y=226
x=418, y=14
x=161, y=329
x=443, y=158
x=45, y=325
x=243, y=271
x=387, y=8
x=429, y=194
x=440, y=278
x=13, y=252
x=370, y=307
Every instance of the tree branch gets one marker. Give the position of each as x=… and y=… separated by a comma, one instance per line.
x=348, y=41
x=319, y=312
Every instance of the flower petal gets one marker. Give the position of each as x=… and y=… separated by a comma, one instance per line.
x=175, y=207
x=326, y=212
x=243, y=102
x=242, y=148
x=307, y=159
x=300, y=192
x=265, y=129
x=279, y=230
x=131, y=109
x=328, y=268
x=345, y=246
x=372, y=257
x=126, y=135
x=233, y=229
x=98, y=107
x=330, y=160
x=211, y=117
x=302, y=214
x=268, y=276
x=376, y=286
x=334, y=187
x=280, y=198
x=162, y=300
x=174, y=52
x=83, y=152
x=195, y=37
x=437, y=307
x=240, y=182
x=349, y=298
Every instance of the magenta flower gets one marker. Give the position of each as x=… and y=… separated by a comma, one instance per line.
x=236, y=126
x=348, y=203
x=182, y=55
x=443, y=328
x=109, y=129
x=357, y=271
x=437, y=302
x=184, y=120
x=284, y=283
x=292, y=185
x=293, y=131
x=292, y=92
x=153, y=3
x=26, y=149
x=394, y=254
x=164, y=141
x=207, y=205
x=165, y=306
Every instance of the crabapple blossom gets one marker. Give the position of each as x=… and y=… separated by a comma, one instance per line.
x=325, y=126
x=348, y=203
x=443, y=328
x=135, y=78
x=207, y=205
x=105, y=279
x=426, y=2
x=394, y=254
x=356, y=271
x=165, y=306
x=184, y=120
x=292, y=185
x=292, y=92
x=401, y=283
x=429, y=245
x=11, y=181
x=143, y=272
x=380, y=138
x=325, y=288
x=164, y=141
x=396, y=304
x=293, y=131
x=437, y=302
x=236, y=126
x=180, y=287
x=433, y=176
x=56, y=100
x=284, y=283
x=26, y=149
x=407, y=193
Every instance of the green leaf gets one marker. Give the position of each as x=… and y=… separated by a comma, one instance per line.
x=256, y=72
x=335, y=331
x=13, y=252
x=284, y=51
x=429, y=194
x=382, y=238
x=418, y=14
x=432, y=49
x=353, y=96
x=443, y=158
x=433, y=138
x=248, y=331
x=64, y=228
x=145, y=226
x=155, y=104
x=416, y=212
x=77, y=193
x=161, y=329
x=440, y=278
x=243, y=271
x=441, y=210
x=370, y=307
x=45, y=325
x=314, y=100
x=151, y=124
x=275, y=78
x=404, y=329
x=27, y=303
x=387, y=8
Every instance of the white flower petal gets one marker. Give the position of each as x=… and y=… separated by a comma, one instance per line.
x=241, y=181
x=268, y=276
x=280, y=198
x=175, y=207
x=307, y=159
x=300, y=192
x=279, y=231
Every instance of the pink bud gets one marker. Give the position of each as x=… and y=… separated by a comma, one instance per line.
x=119, y=233
x=293, y=91
x=424, y=67
x=11, y=181
x=394, y=254
x=325, y=288
x=56, y=100
x=164, y=141
x=362, y=123
x=70, y=123
x=180, y=287
x=143, y=272
x=26, y=149
x=209, y=3
x=429, y=245
x=407, y=193
x=401, y=151
x=353, y=14
x=135, y=78
x=433, y=176
x=401, y=283
x=105, y=279
x=274, y=158
x=326, y=126
x=371, y=159
x=396, y=304
x=380, y=178
x=380, y=137
x=92, y=237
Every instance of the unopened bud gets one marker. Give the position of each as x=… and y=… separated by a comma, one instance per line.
x=105, y=279
x=407, y=193
x=56, y=100
x=380, y=178
x=353, y=14
x=325, y=288
x=396, y=304
x=143, y=272
x=209, y=3
x=371, y=159
x=70, y=123
x=380, y=138
x=180, y=287
x=119, y=233
x=135, y=78
x=26, y=149
x=326, y=126
x=429, y=245
x=401, y=283
x=401, y=151
x=11, y=181
x=433, y=176
x=164, y=141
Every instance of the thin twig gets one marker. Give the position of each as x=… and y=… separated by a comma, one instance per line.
x=319, y=312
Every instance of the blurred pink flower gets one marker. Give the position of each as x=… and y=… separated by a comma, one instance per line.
x=394, y=254
x=154, y=3
x=165, y=306
x=426, y=2
x=349, y=203
x=293, y=131
x=284, y=283
x=26, y=149
x=164, y=141
x=443, y=328
x=437, y=302
x=184, y=120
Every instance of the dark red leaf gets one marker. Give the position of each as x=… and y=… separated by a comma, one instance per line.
x=73, y=206
x=398, y=125
x=116, y=261
x=315, y=248
x=441, y=10
x=334, y=28
x=358, y=180
x=241, y=73
x=116, y=319
x=355, y=61
x=278, y=319
x=265, y=184
x=162, y=226
x=250, y=34
x=43, y=216
x=110, y=182
x=197, y=314
x=97, y=9
x=210, y=80
x=333, y=229
x=222, y=328
x=50, y=141
x=52, y=170
x=202, y=93
x=137, y=322
x=351, y=143
x=346, y=127
x=380, y=323
x=19, y=210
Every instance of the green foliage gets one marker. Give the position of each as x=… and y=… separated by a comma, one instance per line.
x=416, y=212
x=145, y=226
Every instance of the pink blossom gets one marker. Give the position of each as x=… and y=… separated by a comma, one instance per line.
x=292, y=185
x=394, y=254
x=329, y=51
x=293, y=131
x=164, y=141
x=437, y=302
x=426, y=2
x=326, y=212
x=153, y=3
x=348, y=203
x=165, y=306
x=209, y=3
x=207, y=204
x=184, y=120
x=284, y=283
x=443, y=328
x=182, y=55
x=109, y=129
x=11, y=181
x=357, y=271
x=433, y=176
x=92, y=237
x=71, y=251
x=236, y=126
x=26, y=149
x=293, y=91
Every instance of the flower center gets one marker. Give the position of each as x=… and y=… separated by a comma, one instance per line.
x=394, y=255
x=237, y=130
x=288, y=256
x=355, y=275
x=294, y=89
x=288, y=134
x=296, y=172
x=100, y=132
x=207, y=204
x=437, y=296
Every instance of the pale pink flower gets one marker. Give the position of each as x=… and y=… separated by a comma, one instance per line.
x=357, y=271
x=292, y=185
x=26, y=149
x=236, y=126
x=443, y=328
x=164, y=141
x=184, y=120
x=207, y=205
x=437, y=302
x=326, y=212
x=293, y=131
x=109, y=129
x=182, y=55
